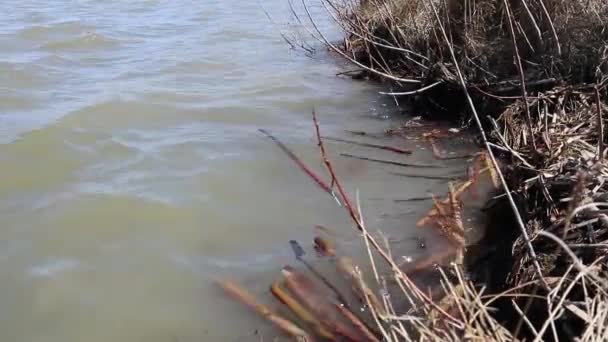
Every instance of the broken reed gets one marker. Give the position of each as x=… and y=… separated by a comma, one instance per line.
x=323, y=312
x=456, y=308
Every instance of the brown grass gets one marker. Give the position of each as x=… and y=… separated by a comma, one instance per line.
x=402, y=37
x=537, y=70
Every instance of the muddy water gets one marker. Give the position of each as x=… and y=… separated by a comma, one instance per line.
x=133, y=174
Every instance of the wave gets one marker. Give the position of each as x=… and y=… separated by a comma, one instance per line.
x=57, y=29
x=87, y=41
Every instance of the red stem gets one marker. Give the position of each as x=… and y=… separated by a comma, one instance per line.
x=297, y=160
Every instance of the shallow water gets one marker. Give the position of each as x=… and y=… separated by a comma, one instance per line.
x=134, y=176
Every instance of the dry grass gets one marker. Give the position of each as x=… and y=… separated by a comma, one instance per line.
x=568, y=300
x=528, y=64
x=558, y=39
x=538, y=71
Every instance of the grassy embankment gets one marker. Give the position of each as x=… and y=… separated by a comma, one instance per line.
x=529, y=78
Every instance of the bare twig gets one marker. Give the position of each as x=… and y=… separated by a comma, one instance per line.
x=445, y=178
x=600, y=126
x=381, y=147
x=389, y=162
x=575, y=260
x=352, y=60
x=522, y=78
x=413, y=92
x=298, y=161
x=557, y=43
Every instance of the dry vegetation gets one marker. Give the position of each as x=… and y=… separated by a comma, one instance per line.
x=531, y=77
x=556, y=39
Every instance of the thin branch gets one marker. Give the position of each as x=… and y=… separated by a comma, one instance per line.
x=522, y=78
x=600, y=126
x=381, y=147
x=559, y=48
x=390, y=162
x=414, y=92
x=298, y=161
x=444, y=178
x=575, y=260
x=352, y=60
x=387, y=46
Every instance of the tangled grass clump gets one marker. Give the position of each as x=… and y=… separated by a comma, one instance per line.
x=565, y=40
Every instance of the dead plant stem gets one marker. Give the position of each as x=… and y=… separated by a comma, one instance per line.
x=600, y=126
x=522, y=78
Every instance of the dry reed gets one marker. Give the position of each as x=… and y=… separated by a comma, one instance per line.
x=537, y=69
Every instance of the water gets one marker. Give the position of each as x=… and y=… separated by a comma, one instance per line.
x=134, y=176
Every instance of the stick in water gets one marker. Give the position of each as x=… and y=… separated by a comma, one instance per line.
x=389, y=162
x=413, y=199
x=297, y=160
x=382, y=147
x=299, y=253
x=284, y=324
x=446, y=178
x=357, y=132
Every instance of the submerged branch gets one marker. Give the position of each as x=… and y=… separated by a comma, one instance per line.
x=382, y=147
x=287, y=326
x=390, y=162
x=298, y=161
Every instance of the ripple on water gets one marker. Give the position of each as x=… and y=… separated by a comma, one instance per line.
x=24, y=76
x=200, y=66
x=12, y=100
x=95, y=220
x=116, y=113
x=88, y=41
x=42, y=33
x=199, y=134
x=48, y=164
x=201, y=264
x=53, y=266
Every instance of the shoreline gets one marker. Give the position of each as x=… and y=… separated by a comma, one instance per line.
x=551, y=223
x=531, y=79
